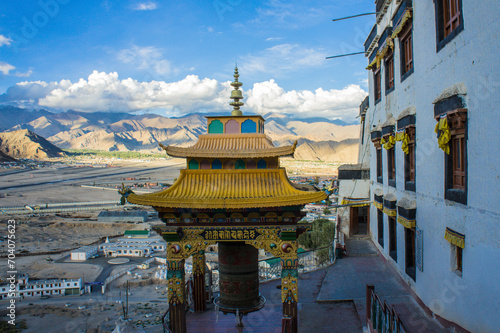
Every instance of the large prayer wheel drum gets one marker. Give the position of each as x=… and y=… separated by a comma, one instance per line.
x=238, y=275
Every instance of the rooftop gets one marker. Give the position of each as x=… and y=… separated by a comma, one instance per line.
x=227, y=188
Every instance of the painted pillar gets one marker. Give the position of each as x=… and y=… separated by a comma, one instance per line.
x=199, y=281
x=290, y=290
x=176, y=295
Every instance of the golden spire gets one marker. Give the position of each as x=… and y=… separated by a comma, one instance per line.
x=236, y=95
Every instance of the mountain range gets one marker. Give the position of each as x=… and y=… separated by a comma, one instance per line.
x=318, y=138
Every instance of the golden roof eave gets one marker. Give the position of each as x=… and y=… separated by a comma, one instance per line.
x=246, y=145
x=229, y=189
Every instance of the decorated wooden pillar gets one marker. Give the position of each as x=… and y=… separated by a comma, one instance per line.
x=290, y=290
x=199, y=281
x=176, y=295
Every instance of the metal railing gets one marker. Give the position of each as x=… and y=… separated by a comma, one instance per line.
x=308, y=261
x=380, y=316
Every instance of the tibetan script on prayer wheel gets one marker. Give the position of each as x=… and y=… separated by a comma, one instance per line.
x=230, y=234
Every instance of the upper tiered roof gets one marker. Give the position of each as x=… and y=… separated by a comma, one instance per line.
x=231, y=146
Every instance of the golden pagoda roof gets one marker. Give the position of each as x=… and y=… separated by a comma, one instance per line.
x=246, y=145
x=229, y=188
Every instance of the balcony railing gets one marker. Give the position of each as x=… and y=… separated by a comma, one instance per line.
x=364, y=105
x=380, y=317
x=370, y=39
x=381, y=8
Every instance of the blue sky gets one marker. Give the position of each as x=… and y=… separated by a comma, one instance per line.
x=175, y=57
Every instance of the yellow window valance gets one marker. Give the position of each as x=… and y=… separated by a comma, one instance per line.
x=403, y=136
x=406, y=223
x=406, y=16
x=375, y=63
x=454, y=237
x=388, y=141
x=355, y=202
x=389, y=45
x=378, y=205
x=443, y=132
x=390, y=212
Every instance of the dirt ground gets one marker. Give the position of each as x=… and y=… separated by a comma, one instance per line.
x=73, y=314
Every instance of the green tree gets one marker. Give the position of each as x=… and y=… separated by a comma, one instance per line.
x=322, y=234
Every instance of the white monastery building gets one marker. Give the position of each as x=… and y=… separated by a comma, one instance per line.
x=433, y=121
x=30, y=288
x=133, y=247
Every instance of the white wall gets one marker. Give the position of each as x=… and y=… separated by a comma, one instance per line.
x=359, y=188
x=471, y=59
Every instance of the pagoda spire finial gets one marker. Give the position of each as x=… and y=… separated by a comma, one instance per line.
x=236, y=94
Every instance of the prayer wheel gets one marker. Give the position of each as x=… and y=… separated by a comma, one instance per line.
x=238, y=275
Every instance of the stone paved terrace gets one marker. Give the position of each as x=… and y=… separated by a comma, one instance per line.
x=330, y=300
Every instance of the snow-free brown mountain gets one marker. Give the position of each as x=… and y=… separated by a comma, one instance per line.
x=26, y=144
x=319, y=138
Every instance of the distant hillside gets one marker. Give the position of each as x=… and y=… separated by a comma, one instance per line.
x=127, y=132
x=6, y=158
x=26, y=144
x=345, y=151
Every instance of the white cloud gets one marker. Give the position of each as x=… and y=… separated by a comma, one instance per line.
x=147, y=58
x=272, y=39
x=146, y=6
x=5, y=68
x=31, y=91
x=282, y=58
x=5, y=40
x=106, y=92
x=268, y=96
x=25, y=74
x=364, y=83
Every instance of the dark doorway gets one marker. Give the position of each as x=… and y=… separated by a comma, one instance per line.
x=359, y=220
x=380, y=227
x=393, y=247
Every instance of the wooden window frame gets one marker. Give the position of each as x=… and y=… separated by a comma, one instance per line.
x=451, y=16
x=391, y=166
x=456, y=190
x=449, y=21
x=389, y=72
x=458, y=166
x=410, y=158
x=406, y=48
x=377, y=85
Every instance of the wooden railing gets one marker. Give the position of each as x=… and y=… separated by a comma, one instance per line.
x=380, y=317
